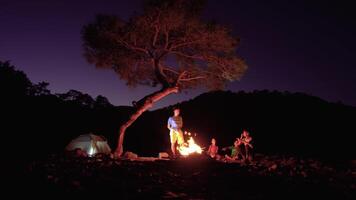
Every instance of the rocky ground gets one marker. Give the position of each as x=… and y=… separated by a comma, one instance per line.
x=196, y=177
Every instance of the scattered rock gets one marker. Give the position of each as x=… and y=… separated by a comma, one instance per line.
x=304, y=174
x=170, y=194
x=273, y=167
x=163, y=155
x=130, y=155
x=76, y=183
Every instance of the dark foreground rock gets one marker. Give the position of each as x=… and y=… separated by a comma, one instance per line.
x=197, y=177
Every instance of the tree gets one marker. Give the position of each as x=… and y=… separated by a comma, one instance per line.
x=167, y=45
x=40, y=89
x=14, y=84
x=102, y=102
x=77, y=97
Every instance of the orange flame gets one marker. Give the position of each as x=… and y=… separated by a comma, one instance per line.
x=191, y=147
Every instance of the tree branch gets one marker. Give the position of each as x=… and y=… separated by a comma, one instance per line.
x=170, y=69
x=184, y=44
x=161, y=76
x=157, y=29
x=180, y=76
x=166, y=33
x=132, y=47
x=188, y=56
x=194, y=78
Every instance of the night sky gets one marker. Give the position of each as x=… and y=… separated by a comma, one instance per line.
x=305, y=46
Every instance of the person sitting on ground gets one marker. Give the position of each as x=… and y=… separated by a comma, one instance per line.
x=245, y=140
x=235, y=151
x=213, y=150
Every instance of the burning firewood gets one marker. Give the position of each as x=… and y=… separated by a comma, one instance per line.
x=189, y=148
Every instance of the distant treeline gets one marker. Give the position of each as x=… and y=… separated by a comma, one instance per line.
x=36, y=122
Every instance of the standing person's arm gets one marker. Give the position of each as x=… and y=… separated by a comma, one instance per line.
x=169, y=124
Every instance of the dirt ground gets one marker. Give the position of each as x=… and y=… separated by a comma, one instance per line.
x=195, y=177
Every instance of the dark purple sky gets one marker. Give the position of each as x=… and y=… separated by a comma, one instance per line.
x=305, y=46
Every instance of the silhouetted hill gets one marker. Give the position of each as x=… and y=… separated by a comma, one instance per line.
x=37, y=122
x=284, y=123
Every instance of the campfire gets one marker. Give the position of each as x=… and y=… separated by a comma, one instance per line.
x=189, y=148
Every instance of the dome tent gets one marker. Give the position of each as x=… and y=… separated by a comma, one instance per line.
x=90, y=143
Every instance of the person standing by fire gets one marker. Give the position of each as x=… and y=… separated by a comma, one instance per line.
x=175, y=124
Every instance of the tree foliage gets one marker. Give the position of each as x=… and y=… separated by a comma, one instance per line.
x=168, y=44
x=13, y=82
x=40, y=89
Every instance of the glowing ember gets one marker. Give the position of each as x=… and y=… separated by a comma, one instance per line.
x=191, y=147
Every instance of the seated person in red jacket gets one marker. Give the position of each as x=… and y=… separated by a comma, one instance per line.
x=213, y=150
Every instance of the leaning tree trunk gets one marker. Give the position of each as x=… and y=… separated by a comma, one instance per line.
x=148, y=102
